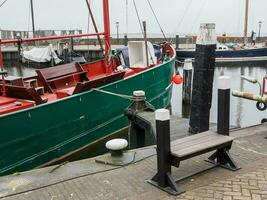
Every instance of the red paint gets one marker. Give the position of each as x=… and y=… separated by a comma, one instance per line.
x=6, y=100
x=264, y=85
x=167, y=47
x=139, y=69
x=129, y=72
x=106, y=27
x=10, y=106
x=95, y=69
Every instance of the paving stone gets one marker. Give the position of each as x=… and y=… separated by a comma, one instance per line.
x=129, y=183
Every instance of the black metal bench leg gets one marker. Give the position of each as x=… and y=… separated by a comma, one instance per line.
x=213, y=157
x=169, y=185
x=224, y=159
x=163, y=179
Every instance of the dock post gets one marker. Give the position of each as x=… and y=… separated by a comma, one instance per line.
x=19, y=47
x=65, y=52
x=223, y=114
x=125, y=40
x=71, y=44
x=187, y=87
x=177, y=42
x=203, y=79
x=222, y=155
x=163, y=178
x=137, y=133
x=163, y=145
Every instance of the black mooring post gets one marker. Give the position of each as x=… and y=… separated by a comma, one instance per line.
x=163, y=146
x=71, y=44
x=187, y=87
x=163, y=179
x=203, y=79
x=137, y=136
x=125, y=40
x=177, y=41
x=222, y=155
x=223, y=114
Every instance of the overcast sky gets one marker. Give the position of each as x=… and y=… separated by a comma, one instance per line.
x=175, y=16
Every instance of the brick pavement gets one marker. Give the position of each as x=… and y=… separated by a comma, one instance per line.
x=250, y=151
x=248, y=186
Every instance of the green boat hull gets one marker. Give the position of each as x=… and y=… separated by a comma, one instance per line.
x=35, y=136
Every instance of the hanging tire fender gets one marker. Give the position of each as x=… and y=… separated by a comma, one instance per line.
x=261, y=106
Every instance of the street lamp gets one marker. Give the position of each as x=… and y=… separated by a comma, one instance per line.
x=117, y=27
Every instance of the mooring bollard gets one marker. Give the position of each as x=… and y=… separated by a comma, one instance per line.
x=187, y=86
x=203, y=79
x=137, y=133
x=125, y=40
x=223, y=114
x=163, y=145
x=177, y=41
x=71, y=44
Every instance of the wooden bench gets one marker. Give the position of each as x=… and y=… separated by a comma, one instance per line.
x=172, y=153
x=62, y=76
x=21, y=92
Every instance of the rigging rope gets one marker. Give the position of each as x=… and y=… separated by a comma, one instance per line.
x=142, y=30
x=114, y=94
x=3, y=3
x=181, y=20
x=139, y=20
x=157, y=19
x=197, y=16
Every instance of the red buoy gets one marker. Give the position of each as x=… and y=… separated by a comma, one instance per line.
x=177, y=79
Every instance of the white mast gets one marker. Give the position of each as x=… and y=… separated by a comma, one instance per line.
x=246, y=21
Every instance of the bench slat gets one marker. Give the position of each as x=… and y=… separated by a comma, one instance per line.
x=193, y=142
x=190, y=138
x=210, y=141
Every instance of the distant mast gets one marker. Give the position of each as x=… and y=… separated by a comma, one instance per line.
x=32, y=14
x=246, y=21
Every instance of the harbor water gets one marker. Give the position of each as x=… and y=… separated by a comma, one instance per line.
x=243, y=112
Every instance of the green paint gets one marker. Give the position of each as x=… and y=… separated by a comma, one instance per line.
x=37, y=135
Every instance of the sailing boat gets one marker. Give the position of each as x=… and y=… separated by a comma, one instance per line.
x=48, y=117
x=232, y=53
